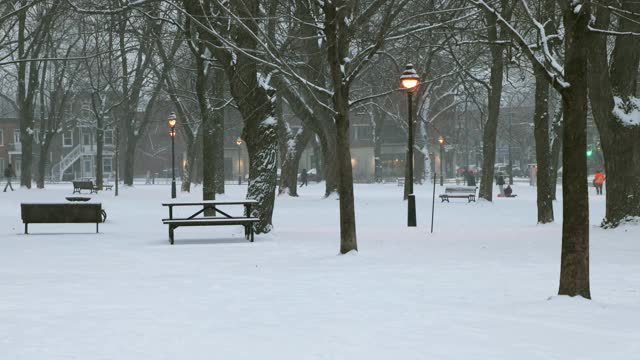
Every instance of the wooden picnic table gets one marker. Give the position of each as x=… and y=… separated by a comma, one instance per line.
x=226, y=219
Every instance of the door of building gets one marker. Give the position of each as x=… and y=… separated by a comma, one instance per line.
x=87, y=168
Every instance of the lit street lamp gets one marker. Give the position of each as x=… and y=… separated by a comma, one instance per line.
x=410, y=81
x=239, y=142
x=172, y=133
x=441, y=141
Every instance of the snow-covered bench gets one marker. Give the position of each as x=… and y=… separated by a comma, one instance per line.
x=462, y=192
x=54, y=213
x=212, y=205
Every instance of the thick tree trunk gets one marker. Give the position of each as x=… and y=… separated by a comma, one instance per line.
x=543, y=152
x=42, y=162
x=255, y=99
x=291, y=152
x=262, y=146
x=129, y=159
x=209, y=128
x=377, y=160
x=328, y=146
x=556, y=145
x=620, y=145
x=574, y=268
x=491, y=126
x=348, y=240
x=26, y=140
x=218, y=148
x=188, y=171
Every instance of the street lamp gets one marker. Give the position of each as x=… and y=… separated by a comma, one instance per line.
x=410, y=81
x=441, y=141
x=239, y=142
x=172, y=133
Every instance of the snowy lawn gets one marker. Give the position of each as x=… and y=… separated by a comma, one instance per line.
x=481, y=287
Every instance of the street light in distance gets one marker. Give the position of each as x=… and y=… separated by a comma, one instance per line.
x=409, y=80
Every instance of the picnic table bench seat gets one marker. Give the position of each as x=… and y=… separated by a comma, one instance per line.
x=461, y=192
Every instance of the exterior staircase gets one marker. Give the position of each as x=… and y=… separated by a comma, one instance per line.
x=57, y=170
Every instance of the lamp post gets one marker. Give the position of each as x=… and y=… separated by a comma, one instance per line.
x=172, y=133
x=441, y=141
x=410, y=81
x=239, y=142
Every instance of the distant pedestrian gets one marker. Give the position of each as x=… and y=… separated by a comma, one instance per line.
x=471, y=179
x=303, y=178
x=8, y=174
x=500, y=183
x=598, y=181
x=508, y=191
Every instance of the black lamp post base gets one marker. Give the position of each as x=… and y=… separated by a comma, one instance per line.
x=173, y=188
x=411, y=210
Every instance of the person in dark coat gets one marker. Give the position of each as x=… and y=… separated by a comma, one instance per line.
x=508, y=191
x=303, y=178
x=8, y=174
x=500, y=183
x=471, y=179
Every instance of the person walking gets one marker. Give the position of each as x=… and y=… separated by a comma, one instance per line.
x=8, y=174
x=598, y=181
x=303, y=178
x=500, y=183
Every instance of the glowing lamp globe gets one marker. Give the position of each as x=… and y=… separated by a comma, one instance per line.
x=172, y=120
x=409, y=79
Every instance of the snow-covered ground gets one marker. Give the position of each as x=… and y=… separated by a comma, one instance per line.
x=482, y=286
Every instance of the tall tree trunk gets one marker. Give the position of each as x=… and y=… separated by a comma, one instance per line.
x=574, y=268
x=129, y=159
x=218, y=133
x=255, y=99
x=262, y=147
x=556, y=145
x=291, y=152
x=43, y=161
x=209, y=167
x=495, y=95
x=188, y=171
x=620, y=145
x=328, y=147
x=377, y=159
x=348, y=240
x=99, y=151
x=543, y=153
x=336, y=32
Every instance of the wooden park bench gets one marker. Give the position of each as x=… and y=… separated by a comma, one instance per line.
x=214, y=207
x=462, y=192
x=400, y=181
x=54, y=213
x=78, y=186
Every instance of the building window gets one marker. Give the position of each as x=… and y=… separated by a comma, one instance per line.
x=2, y=137
x=107, y=165
x=86, y=138
x=362, y=132
x=67, y=138
x=16, y=136
x=108, y=137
